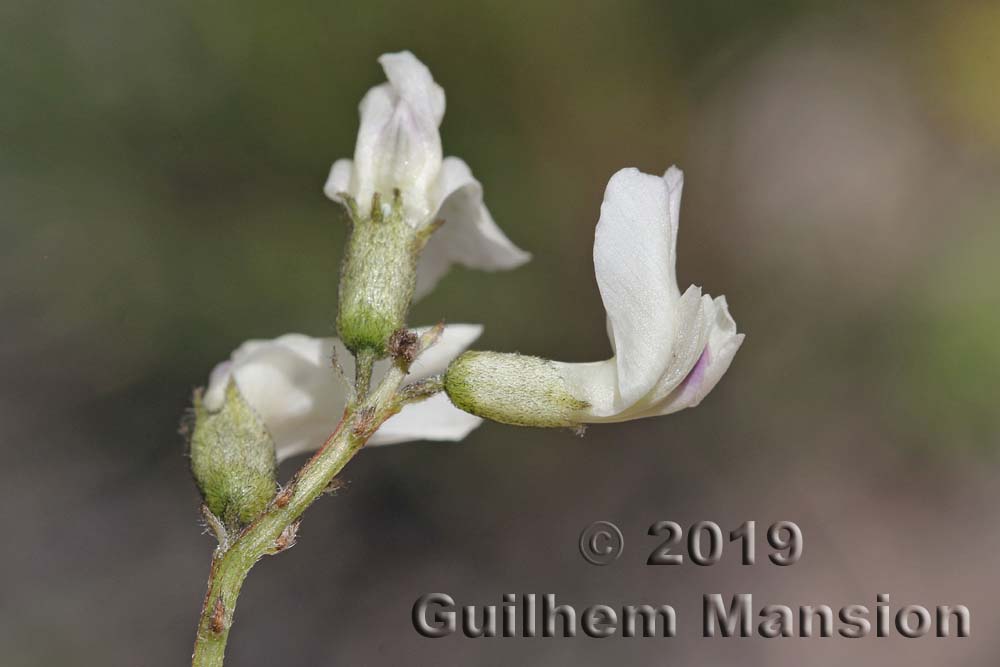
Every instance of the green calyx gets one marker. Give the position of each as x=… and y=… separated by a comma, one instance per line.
x=378, y=275
x=232, y=459
x=512, y=389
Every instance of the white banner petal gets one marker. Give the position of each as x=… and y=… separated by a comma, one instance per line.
x=398, y=141
x=633, y=261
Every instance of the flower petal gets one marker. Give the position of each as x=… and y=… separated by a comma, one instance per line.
x=469, y=235
x=432, y=419
x=339, y=180
x=398, y=142
x=723, y=342
x=597, y=383
x=634, y=259
x=413, y=83
x=693, y=321
x=674, y=179
x=292, y=385
x=453, y=341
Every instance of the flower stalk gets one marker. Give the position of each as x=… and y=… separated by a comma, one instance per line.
x=364, y=365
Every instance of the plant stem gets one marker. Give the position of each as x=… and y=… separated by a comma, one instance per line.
x=364, y=362
x=274, y=530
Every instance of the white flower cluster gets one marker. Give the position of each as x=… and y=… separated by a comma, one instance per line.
x=669, y=348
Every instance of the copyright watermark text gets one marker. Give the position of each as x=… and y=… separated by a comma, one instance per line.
x=703, y=544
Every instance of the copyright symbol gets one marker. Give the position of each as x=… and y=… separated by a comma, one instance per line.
x=601, y=543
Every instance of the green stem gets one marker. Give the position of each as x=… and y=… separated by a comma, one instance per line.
x=364, y=362
x=422, y=389
x=274, y=530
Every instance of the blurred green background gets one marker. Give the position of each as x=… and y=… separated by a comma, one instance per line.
x=160, y=188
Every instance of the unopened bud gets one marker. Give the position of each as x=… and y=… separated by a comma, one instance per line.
x=232, y=459
x=512, y=389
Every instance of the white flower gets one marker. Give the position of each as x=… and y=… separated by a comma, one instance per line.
x=291, y=384
x=670, y=348
x=399, y=147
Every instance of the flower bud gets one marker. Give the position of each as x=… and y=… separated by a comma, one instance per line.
x=512, y=389
x=378, y=276
x=232, y=459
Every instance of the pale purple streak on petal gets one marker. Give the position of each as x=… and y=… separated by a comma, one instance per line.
x=694, y=379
